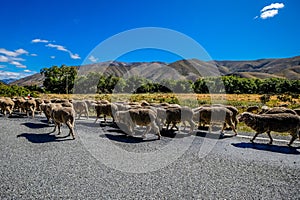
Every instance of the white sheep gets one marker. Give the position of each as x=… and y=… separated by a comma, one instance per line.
x=140, y=117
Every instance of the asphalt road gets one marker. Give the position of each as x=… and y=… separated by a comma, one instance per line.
x=102, y=163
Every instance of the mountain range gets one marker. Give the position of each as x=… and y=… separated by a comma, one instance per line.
x=188, y=69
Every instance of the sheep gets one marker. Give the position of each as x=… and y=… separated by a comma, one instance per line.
x=145, y=103
x=212, y=115
x=20, y=104
x=121, y=106
x=30, y=105
x=264, y=109
x=140, y=117
x=297, y=110
x=7, y=104
x=277, y=110
x=48, y=107
x=81, y=107
x=90, y=104
x=108, y=109
x=282, y=122
x=64, y=115
x=252, y=109
x=38, y=102
x=177, y=114
x=65, y=102
x=233, y=109
x=45, y=108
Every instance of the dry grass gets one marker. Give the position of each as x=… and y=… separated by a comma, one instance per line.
x=192, y=100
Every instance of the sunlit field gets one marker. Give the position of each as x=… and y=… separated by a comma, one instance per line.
x=241, y=101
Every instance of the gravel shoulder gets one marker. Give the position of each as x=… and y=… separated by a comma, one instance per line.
x=37, y=164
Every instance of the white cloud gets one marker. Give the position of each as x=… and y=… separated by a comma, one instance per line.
x=74, y=56
x=17, y=64
x=13, y=53
x=62, y=48
x=273, y=6
x=21, y=51
x=17, y=59
x=8, y=74
x=12, y=58
x=93, y=59
x=53, y=57
x=56, y=46
x=33, y=54
x=39, y=41
x=3, y=58
x=270, y=10
x=27, y=71
x=8, y=53
x=268, y=14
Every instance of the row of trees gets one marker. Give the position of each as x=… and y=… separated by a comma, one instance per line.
x=65, y=80
x=14, y=90
x=98, y=83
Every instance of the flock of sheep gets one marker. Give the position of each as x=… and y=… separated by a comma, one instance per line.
x=128, y=115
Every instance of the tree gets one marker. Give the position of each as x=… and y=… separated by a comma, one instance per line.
x=59, y=79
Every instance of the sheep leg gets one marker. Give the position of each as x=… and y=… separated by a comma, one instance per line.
x=59, y=125
x=184, y=124
x=223, y=128
x=256, y=134
x=174, y=126
x=87, y=113
x=168, y=124
x=209, y=128
x=271, y=139
x=97, y=117
x=71, y=129
x=233, y=127
x=79, y=115
x=9, y=110
x=55, y=125
x=32, y=110
x=131, y=129
x=192, y=126
x=147, y=131
x=294, y=137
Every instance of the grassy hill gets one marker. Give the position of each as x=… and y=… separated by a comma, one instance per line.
x=188, y=69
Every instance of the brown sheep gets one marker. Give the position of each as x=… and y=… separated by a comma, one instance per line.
x=38, y=102
x=47, y=109
x=252, y=109
x=233, y=109
x=81, y=107
x=7, y=104
x=277, y=110
x=216, y=115
x=108, y=109
x=176, y=114
x=140, y=117
x=283, y=122
x=30, y=105
x=64, y=115
x=297, y=110
x=20, y=104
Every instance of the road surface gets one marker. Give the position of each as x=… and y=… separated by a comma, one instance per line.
x=102, y=163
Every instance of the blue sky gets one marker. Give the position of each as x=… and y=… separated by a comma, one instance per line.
x=42, y=33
